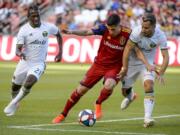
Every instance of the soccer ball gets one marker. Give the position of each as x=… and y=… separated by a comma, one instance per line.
x=87, y=118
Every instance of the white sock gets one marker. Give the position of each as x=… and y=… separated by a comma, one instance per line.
x=22, y=93
x=148, y=105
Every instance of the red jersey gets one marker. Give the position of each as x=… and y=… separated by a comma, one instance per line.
x=111, y=48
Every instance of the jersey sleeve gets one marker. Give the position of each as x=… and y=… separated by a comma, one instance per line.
x=135, y=35
x=99, y=29
x=21, y=36
x=53, y=29
x=163, y=41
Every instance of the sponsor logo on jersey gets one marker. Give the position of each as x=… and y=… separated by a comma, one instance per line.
x=38, y=42
x=45, y=34
x=122, y=40
x=113, y=46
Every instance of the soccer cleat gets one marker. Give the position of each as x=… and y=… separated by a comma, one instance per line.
x=11, y=109
x=98, y=111
x=148, y=123
x=58, y=119
x=126, y=102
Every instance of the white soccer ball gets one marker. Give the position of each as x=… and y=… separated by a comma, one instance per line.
x=87, y=117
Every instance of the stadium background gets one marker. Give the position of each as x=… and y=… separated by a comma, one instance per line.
x=50, y=93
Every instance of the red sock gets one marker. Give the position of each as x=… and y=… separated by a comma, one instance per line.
x=103, y=95
x=75, y=96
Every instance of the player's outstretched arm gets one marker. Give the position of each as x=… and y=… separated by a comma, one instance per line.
x=78, y=32
x=60, y=42
x=129, y=46
x=160, y=70
x=165, y=62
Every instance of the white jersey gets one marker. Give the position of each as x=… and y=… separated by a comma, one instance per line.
x=147, y=45
x=35, y=41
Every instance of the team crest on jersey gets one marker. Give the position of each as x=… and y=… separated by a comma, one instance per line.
x=152, y=45
x=45, y=33
x=122, y=40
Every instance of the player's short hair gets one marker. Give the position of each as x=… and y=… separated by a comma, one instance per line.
x=32, y=8
x=113, y=20
x=149, y=17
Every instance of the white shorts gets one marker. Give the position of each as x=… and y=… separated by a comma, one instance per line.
x=25, y=68
x=134, y=72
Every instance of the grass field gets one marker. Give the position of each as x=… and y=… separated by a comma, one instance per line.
x=51, y=92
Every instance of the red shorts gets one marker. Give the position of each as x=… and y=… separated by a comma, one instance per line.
x=97, y=72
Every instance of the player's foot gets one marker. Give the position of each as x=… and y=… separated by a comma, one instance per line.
x=10, y=109
x=98, y=111
x=58, y=119
x=148, y=122
x=127, y=100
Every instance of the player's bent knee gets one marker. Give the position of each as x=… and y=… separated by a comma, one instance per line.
x=148, y=85
x=30, y=81
x=109, y=84
x=82, y=89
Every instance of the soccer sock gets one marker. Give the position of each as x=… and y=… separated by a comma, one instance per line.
x=130, y=94
x=22, y=93
x=148, y=104
x=75, y=96
x=14, y=93
x=103, y=95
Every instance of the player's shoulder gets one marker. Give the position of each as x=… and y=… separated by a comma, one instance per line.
x=159, y=33
x=25, y=28
x=126, y=29
x=136, y=31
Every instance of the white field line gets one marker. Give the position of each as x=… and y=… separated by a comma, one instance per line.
x=38, y=127
x=92, y=131
x=104, y=121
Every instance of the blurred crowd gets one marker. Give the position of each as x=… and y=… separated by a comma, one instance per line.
x=83, y=14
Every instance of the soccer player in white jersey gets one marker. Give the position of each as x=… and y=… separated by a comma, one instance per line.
x=147, y=37
x=32, y=46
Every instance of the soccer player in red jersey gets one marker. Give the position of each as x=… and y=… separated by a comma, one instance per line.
x=107, y=63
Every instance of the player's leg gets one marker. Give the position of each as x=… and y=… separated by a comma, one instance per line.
x=17, y=81
x=90, y=79
x=15, y=90
x=129, y=95
x=106, y=91
x=74, y=98
x=110, y=81
x=127, y=86
x=149, y=98
x=32, y=76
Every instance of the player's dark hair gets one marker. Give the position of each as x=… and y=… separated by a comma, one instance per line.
x=149, y=17
x=113, y=19
x=32, y=8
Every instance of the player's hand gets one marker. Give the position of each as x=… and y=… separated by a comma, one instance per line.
x=58, y=58
x=21, y=55
x=122, y=73
x=159, y=75
x=151, y=68
x=160, y=79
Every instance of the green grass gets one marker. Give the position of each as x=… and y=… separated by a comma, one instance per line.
x=49, y=95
